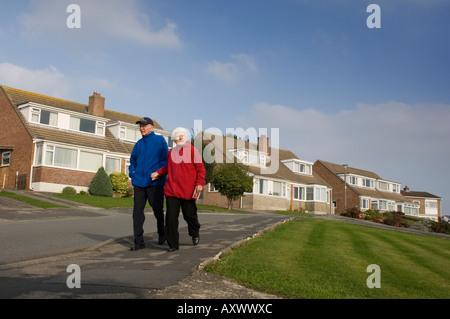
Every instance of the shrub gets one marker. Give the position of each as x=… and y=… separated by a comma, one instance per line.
x=422, y=225
x=441, y=226
x=101, y=184
x=119, y=182
x=69, y=190
x=394, y=219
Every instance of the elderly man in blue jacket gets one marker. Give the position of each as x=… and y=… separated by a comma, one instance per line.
x=148, y=155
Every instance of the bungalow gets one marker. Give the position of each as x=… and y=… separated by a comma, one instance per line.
x=429, y=204
x=353, y=187
x=291, y=186
x=47, y=143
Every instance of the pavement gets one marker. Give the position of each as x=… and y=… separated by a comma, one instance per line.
x=109, y=270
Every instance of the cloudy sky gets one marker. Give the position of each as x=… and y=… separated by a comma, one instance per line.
x=374, y=98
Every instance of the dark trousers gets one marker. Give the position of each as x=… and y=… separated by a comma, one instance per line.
x=155, y=196
x=189, y=210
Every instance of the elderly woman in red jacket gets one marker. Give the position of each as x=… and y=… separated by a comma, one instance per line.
x=186, y=178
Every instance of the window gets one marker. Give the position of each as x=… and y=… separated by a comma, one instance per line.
x=90, y=161
x=383, y=186
x=368, y=182
x=414, y=211
x=58, y=156
x=352, y=180
x=6, y=157
x=310, y=193
x=127, y=167
x=243, y=157
x=302, y=168
x=38, y=155
x=364, y=203
x=431, y=203
x=396, y=188
x=130, y=134
x=263, y=186
x=305, y=168
x=279, y=189
x=262, y=160
x=83, y=125
x=320, y=194
x=382, y=205
x=65, y=157
x=49, y=155
x=112, y=165
x=299, y=193
x=100, y=128
x=44, y=117
x=133, y=134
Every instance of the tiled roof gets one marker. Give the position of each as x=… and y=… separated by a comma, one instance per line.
x=283, y=172
x=339, y=169
x=108, y=143
x=19, y=97
x=419, y=194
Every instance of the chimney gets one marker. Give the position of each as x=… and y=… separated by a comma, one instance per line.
x=406, y=189
x=96, y=105
x=263, y=144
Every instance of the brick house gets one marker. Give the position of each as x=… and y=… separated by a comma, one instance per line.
x=429, y=204
x=48, y=143
x=363, y=189
x=290, y=185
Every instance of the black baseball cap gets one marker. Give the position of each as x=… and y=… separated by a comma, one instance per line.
x=145, y=121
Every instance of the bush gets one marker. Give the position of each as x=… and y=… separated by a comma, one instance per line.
x=119, y=182
x=69, y=190
x=441, y=226
x=101, y=184
x=352, y=212
x=394, y=219
x=422, y=225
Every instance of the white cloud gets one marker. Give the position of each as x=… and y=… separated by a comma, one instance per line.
x=368, y=133
x=119, y=20
x=49, y=81
x=232, y=72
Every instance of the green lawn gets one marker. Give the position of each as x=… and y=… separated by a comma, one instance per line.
x=317, y=258
x=114, y=202
x=30, y=201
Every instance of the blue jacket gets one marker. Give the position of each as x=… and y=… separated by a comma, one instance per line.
x=148, y=155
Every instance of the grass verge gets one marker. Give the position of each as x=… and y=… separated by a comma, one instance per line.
x=116, y=202
x=30, y=201
x=321, y=259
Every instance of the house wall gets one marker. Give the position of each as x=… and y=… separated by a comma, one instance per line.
x=61, y=176
x=263, y=202
x=338, y=186
x=14, y=133
x=215, y=199
x=422, y=207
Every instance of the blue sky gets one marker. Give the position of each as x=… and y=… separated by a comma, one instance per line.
x=376, y=99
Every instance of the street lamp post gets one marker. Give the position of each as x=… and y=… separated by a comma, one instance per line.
x=345, y=186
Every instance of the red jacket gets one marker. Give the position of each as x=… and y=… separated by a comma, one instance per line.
x=185, y=171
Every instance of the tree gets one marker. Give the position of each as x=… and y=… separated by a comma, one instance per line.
x=101, y=184
x=232, y=181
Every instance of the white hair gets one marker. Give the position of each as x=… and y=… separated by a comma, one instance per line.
x=177, y=132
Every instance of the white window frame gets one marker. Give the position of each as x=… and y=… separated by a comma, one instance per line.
x=6, y=156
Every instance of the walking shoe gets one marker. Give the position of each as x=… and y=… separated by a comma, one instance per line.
x=171, y=249
x=161, y=239
x=137, y=247
x=195, y=240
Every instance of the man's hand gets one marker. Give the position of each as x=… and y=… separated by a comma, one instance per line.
x=155, y=176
